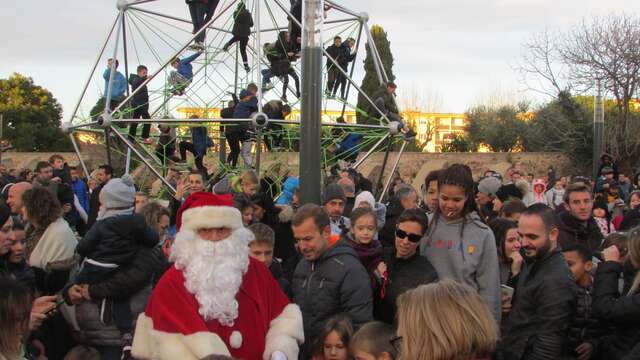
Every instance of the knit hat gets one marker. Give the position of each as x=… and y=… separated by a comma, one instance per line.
x=489, y=185
x=118, y=193
x=5, y=213
x=332, y=192
x=244, y=93
x=204, y=210
x=365, y=196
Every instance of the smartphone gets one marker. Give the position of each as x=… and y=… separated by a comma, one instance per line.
x=59, y=302
x=507, y=291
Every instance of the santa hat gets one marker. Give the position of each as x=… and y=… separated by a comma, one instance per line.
x=206, y=210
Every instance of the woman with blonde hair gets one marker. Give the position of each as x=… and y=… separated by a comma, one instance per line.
x=621, y=310
x=444, y=321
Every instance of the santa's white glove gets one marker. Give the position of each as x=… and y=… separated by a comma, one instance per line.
x=278, y=355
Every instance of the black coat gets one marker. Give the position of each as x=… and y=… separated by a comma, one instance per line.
x=278, y=274
x=622, y=312
x=585, y=327
x=94, y=205
x=543, y=306
x=116, y=240
x=332, y=284
x=141, y=98
x=630, y=220
x=242, y=24
x=572, y=232
x=404, y=274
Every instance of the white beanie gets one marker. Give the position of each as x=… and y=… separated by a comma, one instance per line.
x=367, y=197
x=118, y=193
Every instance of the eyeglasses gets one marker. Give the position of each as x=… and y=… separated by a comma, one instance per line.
x=396, y=342
x=414, y=238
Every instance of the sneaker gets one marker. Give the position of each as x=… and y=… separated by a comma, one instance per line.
x=197, y=46
x=225, y=48
x=147, y=141
x=298, y=94
x=268, y=87
x=284, y=98
x=247, y=68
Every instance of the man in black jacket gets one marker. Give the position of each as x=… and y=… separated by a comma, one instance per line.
x=105, y=173
x=241, y=30
x=577, y=225
x=334, y=51
x=545, y=296
x=328, y=280
x=140, y=103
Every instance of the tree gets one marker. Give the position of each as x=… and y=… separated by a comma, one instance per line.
x=31, y=116
x=499, y=128
x=607, y=49
x=371, y=83
x=459, y=143
x=563, y=125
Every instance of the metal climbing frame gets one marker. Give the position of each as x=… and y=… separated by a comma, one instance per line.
x=118, y=35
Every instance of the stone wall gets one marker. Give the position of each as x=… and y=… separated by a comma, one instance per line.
x=413, y=167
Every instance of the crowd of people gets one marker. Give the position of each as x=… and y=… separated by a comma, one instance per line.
x=494, y=267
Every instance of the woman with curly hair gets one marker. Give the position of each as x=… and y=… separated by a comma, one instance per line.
x=50, y=243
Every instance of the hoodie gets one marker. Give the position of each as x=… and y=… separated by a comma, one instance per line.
x=471, y=259
x=536, y=195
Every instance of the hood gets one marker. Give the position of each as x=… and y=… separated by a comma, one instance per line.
x=539, y=182
x=341, y=247
x=132, y=78
x=122, y=224
x=470, y=218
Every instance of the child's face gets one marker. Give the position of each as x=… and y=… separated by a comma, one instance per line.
x=635, y=201
x=364, y=229
x=579, y=268
x=262, y=252
x=247, y=215
x=142, y=73
x=451, y=200
x=599, y=213
x=58, y=164
x=334, y=349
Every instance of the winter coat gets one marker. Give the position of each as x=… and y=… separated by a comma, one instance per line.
x=464, y=250
x=118, y=87
x=621, y=311
x=572, y=231
x=141, y=98
x=115, y=240
x=288, y=189
x=184, y=66
x=201, y=140
x=82, y=193
x=543, y=306
x=23, y=273
x=585, y=327
x=334, y=283
x=94, y=205
x=630, y=220
x=384, y=101
x=242, y=23
x=278, y=274
x=346, y=56
x=403, y=275
x=370, y=255
x=245, y=108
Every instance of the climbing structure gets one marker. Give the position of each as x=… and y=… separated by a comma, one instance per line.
x=154, y=32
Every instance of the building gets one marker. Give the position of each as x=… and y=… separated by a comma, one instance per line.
x=432, y=129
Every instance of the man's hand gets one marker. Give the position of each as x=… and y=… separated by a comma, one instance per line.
x=75, y=294
x=66, y=208
x=506, y=303
x=612, y=254
x=516, y=263
x=39, y=308
x=56, y=180
x=182, y=188
x=382, y=268
x=584, y=350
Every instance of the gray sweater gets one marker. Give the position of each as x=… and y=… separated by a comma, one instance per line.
x=470, y=259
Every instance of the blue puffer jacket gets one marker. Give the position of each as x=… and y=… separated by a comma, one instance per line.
x=245, y=108
x=288, y=189
x=185, y=68
x=201, y=140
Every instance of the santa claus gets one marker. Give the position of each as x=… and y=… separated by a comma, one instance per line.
x=216, y=299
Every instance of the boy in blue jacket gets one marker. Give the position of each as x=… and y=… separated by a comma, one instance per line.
x=248, y=105
x=118, y=87
x=183, y=75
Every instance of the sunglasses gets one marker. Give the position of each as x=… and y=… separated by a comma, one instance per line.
x=414, y=238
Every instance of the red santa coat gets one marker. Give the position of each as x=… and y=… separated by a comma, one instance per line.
x=172, y=328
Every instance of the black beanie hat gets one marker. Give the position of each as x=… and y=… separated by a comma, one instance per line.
x=333, y=191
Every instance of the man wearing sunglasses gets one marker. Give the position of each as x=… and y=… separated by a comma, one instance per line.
x=402, y=267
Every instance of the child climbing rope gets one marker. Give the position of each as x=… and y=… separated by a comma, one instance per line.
x=241, y=30
x=180, y=79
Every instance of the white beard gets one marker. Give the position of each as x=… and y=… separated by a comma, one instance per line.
x=213, y=271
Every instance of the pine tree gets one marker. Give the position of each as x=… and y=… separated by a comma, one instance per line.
x=370, y=83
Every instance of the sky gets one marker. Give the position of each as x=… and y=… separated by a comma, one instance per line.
x=453, y=53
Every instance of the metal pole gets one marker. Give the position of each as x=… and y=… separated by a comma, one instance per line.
x=377, y=57
x=311, y=102
x=384, y=163
x=393, y=170
x=112, y=70
x=258, y=55
x=126, y=74
x=176, y=53
x=373, y=148
x=258, y=150
x=353, y=66
x=376, y=65
x=343, y=9
x=93, y=70
x=598, y=129
x=77, y=149
x=153, y=170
